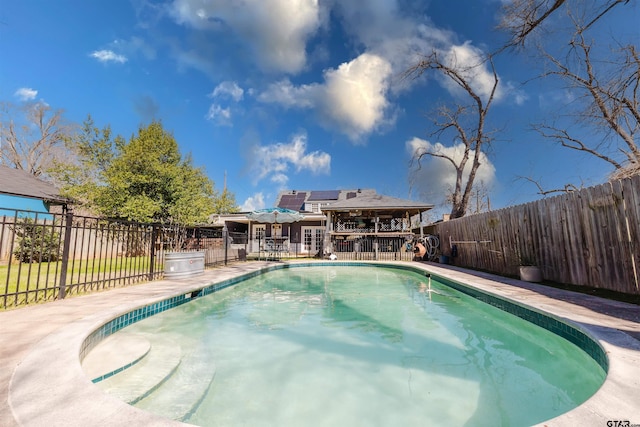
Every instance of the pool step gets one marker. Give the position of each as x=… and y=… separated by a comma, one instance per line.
x=115, y=354
x=142, y=378
x=181, y=394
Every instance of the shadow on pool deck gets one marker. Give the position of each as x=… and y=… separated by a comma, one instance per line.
x=32, y=357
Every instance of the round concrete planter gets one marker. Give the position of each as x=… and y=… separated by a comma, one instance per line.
x=530, y=273
x=178, y=265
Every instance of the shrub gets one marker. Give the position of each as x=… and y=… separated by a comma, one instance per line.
x=36, y=243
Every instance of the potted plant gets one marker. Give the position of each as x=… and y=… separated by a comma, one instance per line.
x=183, y=259
x=528, y=268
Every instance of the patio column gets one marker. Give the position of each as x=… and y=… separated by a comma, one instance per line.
x=327, y=233
x=375, y=238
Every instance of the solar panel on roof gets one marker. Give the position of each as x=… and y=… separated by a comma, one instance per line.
x=292, y=201
x=285, y=201
x=324, y=195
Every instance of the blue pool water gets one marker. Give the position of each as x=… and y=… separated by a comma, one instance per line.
x=366, y=346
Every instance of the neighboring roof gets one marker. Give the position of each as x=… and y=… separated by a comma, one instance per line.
x=376, y=202
x=17, y=182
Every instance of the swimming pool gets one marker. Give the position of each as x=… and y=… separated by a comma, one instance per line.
x=368, y=345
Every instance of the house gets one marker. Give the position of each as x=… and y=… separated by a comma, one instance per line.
x=21, y=191
x=373, y=226
x=356, y=224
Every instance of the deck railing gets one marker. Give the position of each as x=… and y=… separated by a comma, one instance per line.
x=378, y=248
x=358, y=226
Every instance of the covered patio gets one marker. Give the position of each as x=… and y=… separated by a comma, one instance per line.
x=373, y=227
x=281, y=240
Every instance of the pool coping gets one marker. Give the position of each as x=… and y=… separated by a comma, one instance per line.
x=42, y=381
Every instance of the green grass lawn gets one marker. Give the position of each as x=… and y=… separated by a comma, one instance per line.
x=38, y=281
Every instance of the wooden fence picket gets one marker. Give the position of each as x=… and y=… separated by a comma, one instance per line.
x=588, y=238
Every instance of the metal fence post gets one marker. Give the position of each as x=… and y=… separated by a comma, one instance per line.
x=152, y=255
x=225, y=239
x=68, y=218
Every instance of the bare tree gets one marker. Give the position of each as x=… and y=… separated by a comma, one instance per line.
x=480, y=200
x=607, y=88
x=568, y=188
x=522, y=18
x=32, y=136
x=463, y=124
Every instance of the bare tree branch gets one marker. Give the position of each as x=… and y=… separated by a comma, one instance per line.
x=609, y=92
x=562, y=136
x=472, y=137
x=568, y=188
x=522, y=18
x=32, y=137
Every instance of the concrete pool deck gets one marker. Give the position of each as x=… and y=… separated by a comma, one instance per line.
x=42, y=382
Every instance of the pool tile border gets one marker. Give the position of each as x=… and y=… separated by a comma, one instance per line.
x=47, y=385
x=149, y=310
x=570, y=332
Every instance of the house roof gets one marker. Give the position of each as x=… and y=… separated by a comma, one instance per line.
x=16, y=182
x=345, y=200
x=376, y=202
x=296, y=199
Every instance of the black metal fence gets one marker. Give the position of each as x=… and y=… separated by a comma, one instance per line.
x=45, y=256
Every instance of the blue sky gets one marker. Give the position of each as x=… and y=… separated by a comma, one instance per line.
x=290, y=94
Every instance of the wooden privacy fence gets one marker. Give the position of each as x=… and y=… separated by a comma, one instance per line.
x=588, y=238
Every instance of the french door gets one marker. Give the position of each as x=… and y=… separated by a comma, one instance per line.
x=312, y=239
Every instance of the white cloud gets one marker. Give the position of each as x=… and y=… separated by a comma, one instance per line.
x=397, y=31
x=192, y=58
x=228, y=89
x=108, y=56
x=220, y=115
x=253, y=203
x=435, y=178
x=225, y=90
x=352, y=99
x=555, y=98
x=26, y=94
x=290, y=96
x=392, y=31
x=276, y=31
x=470, y=62
x=518, y=96
x=274, y=162
x=134, y=46
x=355, y=94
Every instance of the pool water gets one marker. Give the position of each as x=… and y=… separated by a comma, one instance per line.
x=355, y=346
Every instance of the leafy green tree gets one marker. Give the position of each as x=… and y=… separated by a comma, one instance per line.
x=145, y=179
x=193, y=190
x=225, y=203
x=148, y=181
x=80, y=176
